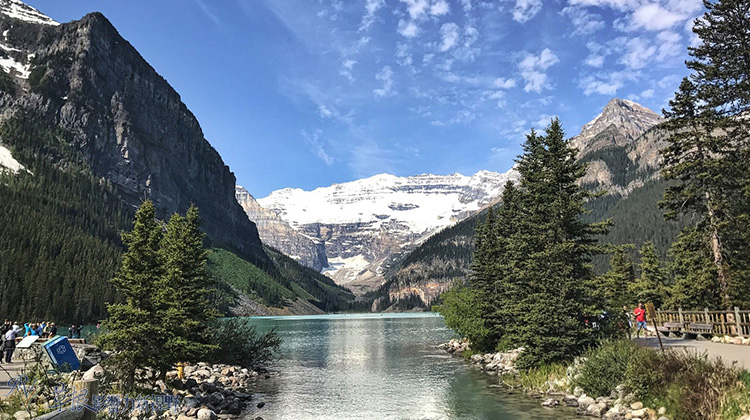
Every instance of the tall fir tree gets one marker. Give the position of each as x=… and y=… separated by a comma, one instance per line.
x=541, y=286
x=131, y=328
x=693, y=272
x=707, y=152
x=651, y=284
x=183, y=310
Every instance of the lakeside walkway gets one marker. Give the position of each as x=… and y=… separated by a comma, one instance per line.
x=728, y=352
x=7, y=371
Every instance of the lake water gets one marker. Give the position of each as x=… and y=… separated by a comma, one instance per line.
x=374, y=366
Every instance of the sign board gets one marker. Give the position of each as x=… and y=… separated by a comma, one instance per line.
x=650, y=310
x=62, y=354
x=27, y=341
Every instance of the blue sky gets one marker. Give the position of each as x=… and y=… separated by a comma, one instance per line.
x=306, y=93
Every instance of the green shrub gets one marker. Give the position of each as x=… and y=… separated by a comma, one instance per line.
x=691, y=386
x=240, y=344
x=461, y=309
x=606, y=365
x=736, y=401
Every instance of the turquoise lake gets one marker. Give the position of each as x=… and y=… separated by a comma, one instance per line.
x=380, y=366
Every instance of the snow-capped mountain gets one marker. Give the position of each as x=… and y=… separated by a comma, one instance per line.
x=274, y=231
x=365, y=222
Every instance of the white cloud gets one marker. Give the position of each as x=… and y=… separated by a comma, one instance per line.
x=439, y=8
x=654, y=17
x=386, y=76
x=324, y=111
x=648, y=93
x=449, y=36
x=543, y=122
x=371, y=8
x=638, y=53
x=526, y=9
x=607, y=84
x=347, y=67
x=316, y=141
x=585, y=22
x=533, y=69
x=416, y=8
x=409, y=29
x=670, y=44
x=501, y=83
x=594, y=60
x=466, y=5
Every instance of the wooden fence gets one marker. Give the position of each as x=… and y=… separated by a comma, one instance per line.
x=731, y=322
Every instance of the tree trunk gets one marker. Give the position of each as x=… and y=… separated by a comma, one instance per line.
x=718, y=256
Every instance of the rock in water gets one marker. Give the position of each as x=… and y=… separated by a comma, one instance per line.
x=206, y=414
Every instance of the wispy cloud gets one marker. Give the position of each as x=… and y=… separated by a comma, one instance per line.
x=533, y=70
x=206, y=11
x=386, y=76
x=526, y=9
x=315, y=141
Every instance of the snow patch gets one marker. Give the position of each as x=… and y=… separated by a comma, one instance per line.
x=10, y=65
x=423, y=202
x=19, y=10
x=346, y=269
x=7, y=162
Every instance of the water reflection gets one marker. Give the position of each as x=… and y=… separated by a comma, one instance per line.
x=380, y=367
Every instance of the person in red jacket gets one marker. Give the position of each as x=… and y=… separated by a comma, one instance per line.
x=640, y=319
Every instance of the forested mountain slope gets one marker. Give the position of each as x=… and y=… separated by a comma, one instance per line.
x=96, y=130
x=620, y=147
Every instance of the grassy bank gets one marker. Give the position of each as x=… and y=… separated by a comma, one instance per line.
x=686, y=386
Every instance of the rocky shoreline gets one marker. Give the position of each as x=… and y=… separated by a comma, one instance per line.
x=620, y=405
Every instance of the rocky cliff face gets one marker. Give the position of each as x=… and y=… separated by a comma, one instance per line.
x=620, y=146
x=364, y=224
x=123, y=118
x=275, y=232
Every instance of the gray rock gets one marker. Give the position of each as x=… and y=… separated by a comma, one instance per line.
x=206, y=414
x=550, y=402
x=596, y=410
x=22, y=415
x=578, y=391
x=570, y=401
x=584, y=401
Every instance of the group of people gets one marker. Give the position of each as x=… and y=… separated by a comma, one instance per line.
x=10, y=331
x=639, y=315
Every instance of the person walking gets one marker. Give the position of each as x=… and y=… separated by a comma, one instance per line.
x=9, y=344
x=640, y=320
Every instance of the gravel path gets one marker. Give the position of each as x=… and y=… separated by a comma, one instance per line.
x=728, y=352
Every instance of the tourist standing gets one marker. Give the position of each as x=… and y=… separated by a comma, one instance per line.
x=640, y=320
x=9, y=344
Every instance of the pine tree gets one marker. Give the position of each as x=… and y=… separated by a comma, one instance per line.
x=131, y=328
x=183, y=310
x=650, y=286
x=617, y=282
x=547, y=285
x=694, y=273
x=710, y=143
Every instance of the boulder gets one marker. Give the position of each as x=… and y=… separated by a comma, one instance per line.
x=596, y=409
x=584, y=401
x=636, y=405
x=578, y=391
x=22, y=415
x=184, y=417
x=206, y=414
x=570, y=401
x=640, y=413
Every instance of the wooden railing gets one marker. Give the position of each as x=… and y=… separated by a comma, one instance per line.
x=731, y=322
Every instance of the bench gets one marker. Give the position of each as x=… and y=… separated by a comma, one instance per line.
x=670, y=327
x=702, y=329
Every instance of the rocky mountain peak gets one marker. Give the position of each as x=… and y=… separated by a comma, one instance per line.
x=625, y=120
